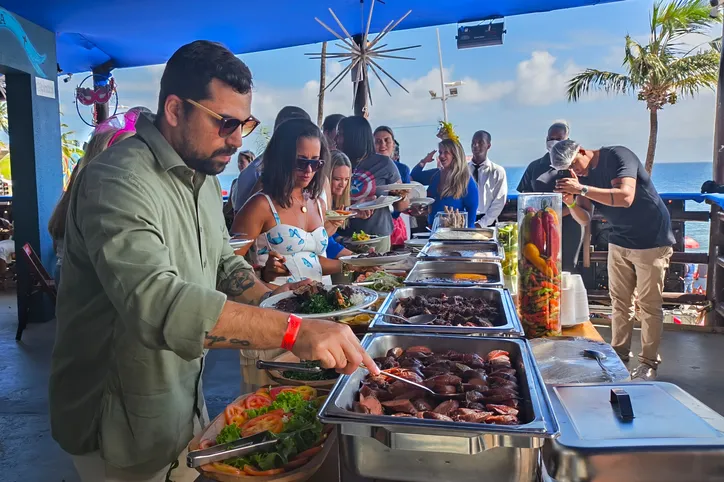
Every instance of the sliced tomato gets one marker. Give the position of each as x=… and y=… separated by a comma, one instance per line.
x=262, y=473
x=307, y=392
x=295, y=464
x=239, y=420
x=257, y=401
x=274, y=392
x=309, y=453
x=263, y=391
x=232, y=411
x=206, y=444
x=221, y=468
x=269, y=421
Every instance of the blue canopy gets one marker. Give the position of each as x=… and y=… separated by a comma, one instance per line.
x=131, y=33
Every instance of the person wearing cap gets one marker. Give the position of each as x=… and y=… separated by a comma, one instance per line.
x=640, y=244
x=538, y=177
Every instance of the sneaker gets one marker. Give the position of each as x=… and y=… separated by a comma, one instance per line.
x=643, y=373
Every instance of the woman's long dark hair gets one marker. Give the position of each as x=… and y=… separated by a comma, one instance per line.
x=359, y=143
x=280, y=160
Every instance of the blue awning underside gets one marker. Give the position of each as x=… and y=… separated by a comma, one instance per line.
x=132, y=33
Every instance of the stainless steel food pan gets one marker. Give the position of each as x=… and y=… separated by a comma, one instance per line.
x=507, y=324
x=464, y=235
x=463, y=251
x=440, y=273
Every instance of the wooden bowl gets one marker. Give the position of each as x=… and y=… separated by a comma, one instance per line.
x=301, y=474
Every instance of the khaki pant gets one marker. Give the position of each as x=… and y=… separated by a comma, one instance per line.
x=641, y=271
x=92, y=468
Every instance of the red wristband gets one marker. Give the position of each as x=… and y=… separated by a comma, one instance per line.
x=290, y=335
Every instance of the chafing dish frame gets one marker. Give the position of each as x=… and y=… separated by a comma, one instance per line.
x=490, y=232
x=492, y=247
x=512, y=326
x=442, y=269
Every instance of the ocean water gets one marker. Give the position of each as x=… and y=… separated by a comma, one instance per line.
x=668, y=178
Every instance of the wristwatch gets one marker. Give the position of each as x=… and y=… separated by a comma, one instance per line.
x=584, y=191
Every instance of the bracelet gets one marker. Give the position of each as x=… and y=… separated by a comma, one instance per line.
x=290, y=335
x=572, y=205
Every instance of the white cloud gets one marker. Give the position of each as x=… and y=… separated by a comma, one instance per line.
x=539, y=81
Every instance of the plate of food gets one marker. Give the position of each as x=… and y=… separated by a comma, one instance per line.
x=421, y=201
x=284, y=420
x=399, y=189
x=319, y=301
x=378, y=203
x=375, y=259
x=380, y=281
x=361, y=238
x=339, y=214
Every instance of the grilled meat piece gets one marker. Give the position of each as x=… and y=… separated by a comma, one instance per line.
x=475, y=384
x=437, y=416
x=442, y=380
x=497, y=353
x=473, y=397
x=470, y=415
x=403, y=405
x=478, y=373
x=502, y=409
x=395, y=352
x=422, y=405
x=372, y=404
x=446, y=407
x=502, y=420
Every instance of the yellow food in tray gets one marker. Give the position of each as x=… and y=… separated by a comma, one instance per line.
x=470, y=277
x=361, y=319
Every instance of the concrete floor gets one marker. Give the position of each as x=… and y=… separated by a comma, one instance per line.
x=29, y=454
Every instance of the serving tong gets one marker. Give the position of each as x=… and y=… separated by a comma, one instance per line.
x=302, y=367
x=261, y=442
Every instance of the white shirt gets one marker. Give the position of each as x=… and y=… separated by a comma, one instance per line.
x=492, y=191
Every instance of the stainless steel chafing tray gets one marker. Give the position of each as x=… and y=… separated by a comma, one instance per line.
x=507, y=324
x=423, y=450
x=642, y=432
x=463, y=251
x=465, y=235
x=423, y=272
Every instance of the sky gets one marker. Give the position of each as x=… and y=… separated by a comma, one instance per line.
x=514, y=91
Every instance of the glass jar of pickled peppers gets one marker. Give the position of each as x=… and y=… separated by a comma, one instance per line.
x=539, y=263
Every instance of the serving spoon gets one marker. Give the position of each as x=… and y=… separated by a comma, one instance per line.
x=413, y=320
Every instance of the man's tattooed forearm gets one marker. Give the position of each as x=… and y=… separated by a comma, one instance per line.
x=211, y=339
x=237, y=282
x=236, y=341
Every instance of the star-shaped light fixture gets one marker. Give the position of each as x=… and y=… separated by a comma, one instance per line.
x=363, y=56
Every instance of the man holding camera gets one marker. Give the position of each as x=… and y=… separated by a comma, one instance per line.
x=614, y=180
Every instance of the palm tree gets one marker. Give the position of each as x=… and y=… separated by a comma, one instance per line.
x=322, y=84
x=661, y=71
x=4, y=117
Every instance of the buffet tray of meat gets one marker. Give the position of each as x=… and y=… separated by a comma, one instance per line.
x=465, y=235
x=463, y=251
x=455, y=273
x=459, y=310
x=489, y=413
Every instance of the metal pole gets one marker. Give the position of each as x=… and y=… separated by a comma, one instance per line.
x=715, y=280
x=443, y=95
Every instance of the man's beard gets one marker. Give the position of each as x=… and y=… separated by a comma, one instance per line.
x=203, y=164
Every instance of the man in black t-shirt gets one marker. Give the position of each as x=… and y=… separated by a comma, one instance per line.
x=614, y=181
x=538, y=178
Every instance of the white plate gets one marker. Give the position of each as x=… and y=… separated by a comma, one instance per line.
x=369, y=242
x=376, y=261
x=396, y=187
x=379, y=203
x=421, y=201
x=337, y=216
x=370, y=298
x=240, y=243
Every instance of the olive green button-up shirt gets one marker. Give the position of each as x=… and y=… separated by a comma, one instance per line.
x=145, y=245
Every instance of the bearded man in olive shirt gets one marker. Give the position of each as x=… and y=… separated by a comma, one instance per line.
x=150, y=282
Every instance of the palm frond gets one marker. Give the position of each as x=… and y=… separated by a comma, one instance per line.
x=681, y=17
x=689, y=74
x=592, y=79
x=4, y=117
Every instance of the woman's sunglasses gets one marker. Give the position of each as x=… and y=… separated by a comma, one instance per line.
x=228, y=125
x=314, y=164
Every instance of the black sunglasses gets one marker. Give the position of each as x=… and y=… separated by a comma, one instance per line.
x=228, y=125
x=315, y=164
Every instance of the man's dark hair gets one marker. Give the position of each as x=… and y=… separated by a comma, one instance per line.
x=359, y=143
x=484, y=134
x=191, y=68
x=290, y=112
x=280, y=160
x=331, y=122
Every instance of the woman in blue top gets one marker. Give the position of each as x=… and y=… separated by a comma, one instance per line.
x=451, y=185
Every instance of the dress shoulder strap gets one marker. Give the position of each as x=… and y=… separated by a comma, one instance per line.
x=273, y=209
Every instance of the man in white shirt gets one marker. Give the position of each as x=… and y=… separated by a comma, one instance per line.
x=491, y=180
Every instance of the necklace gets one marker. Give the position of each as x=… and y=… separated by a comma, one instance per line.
x=305, y=197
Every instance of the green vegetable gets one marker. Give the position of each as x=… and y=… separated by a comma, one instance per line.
x=322, y=375
x=317, y=304
x=301, y=431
